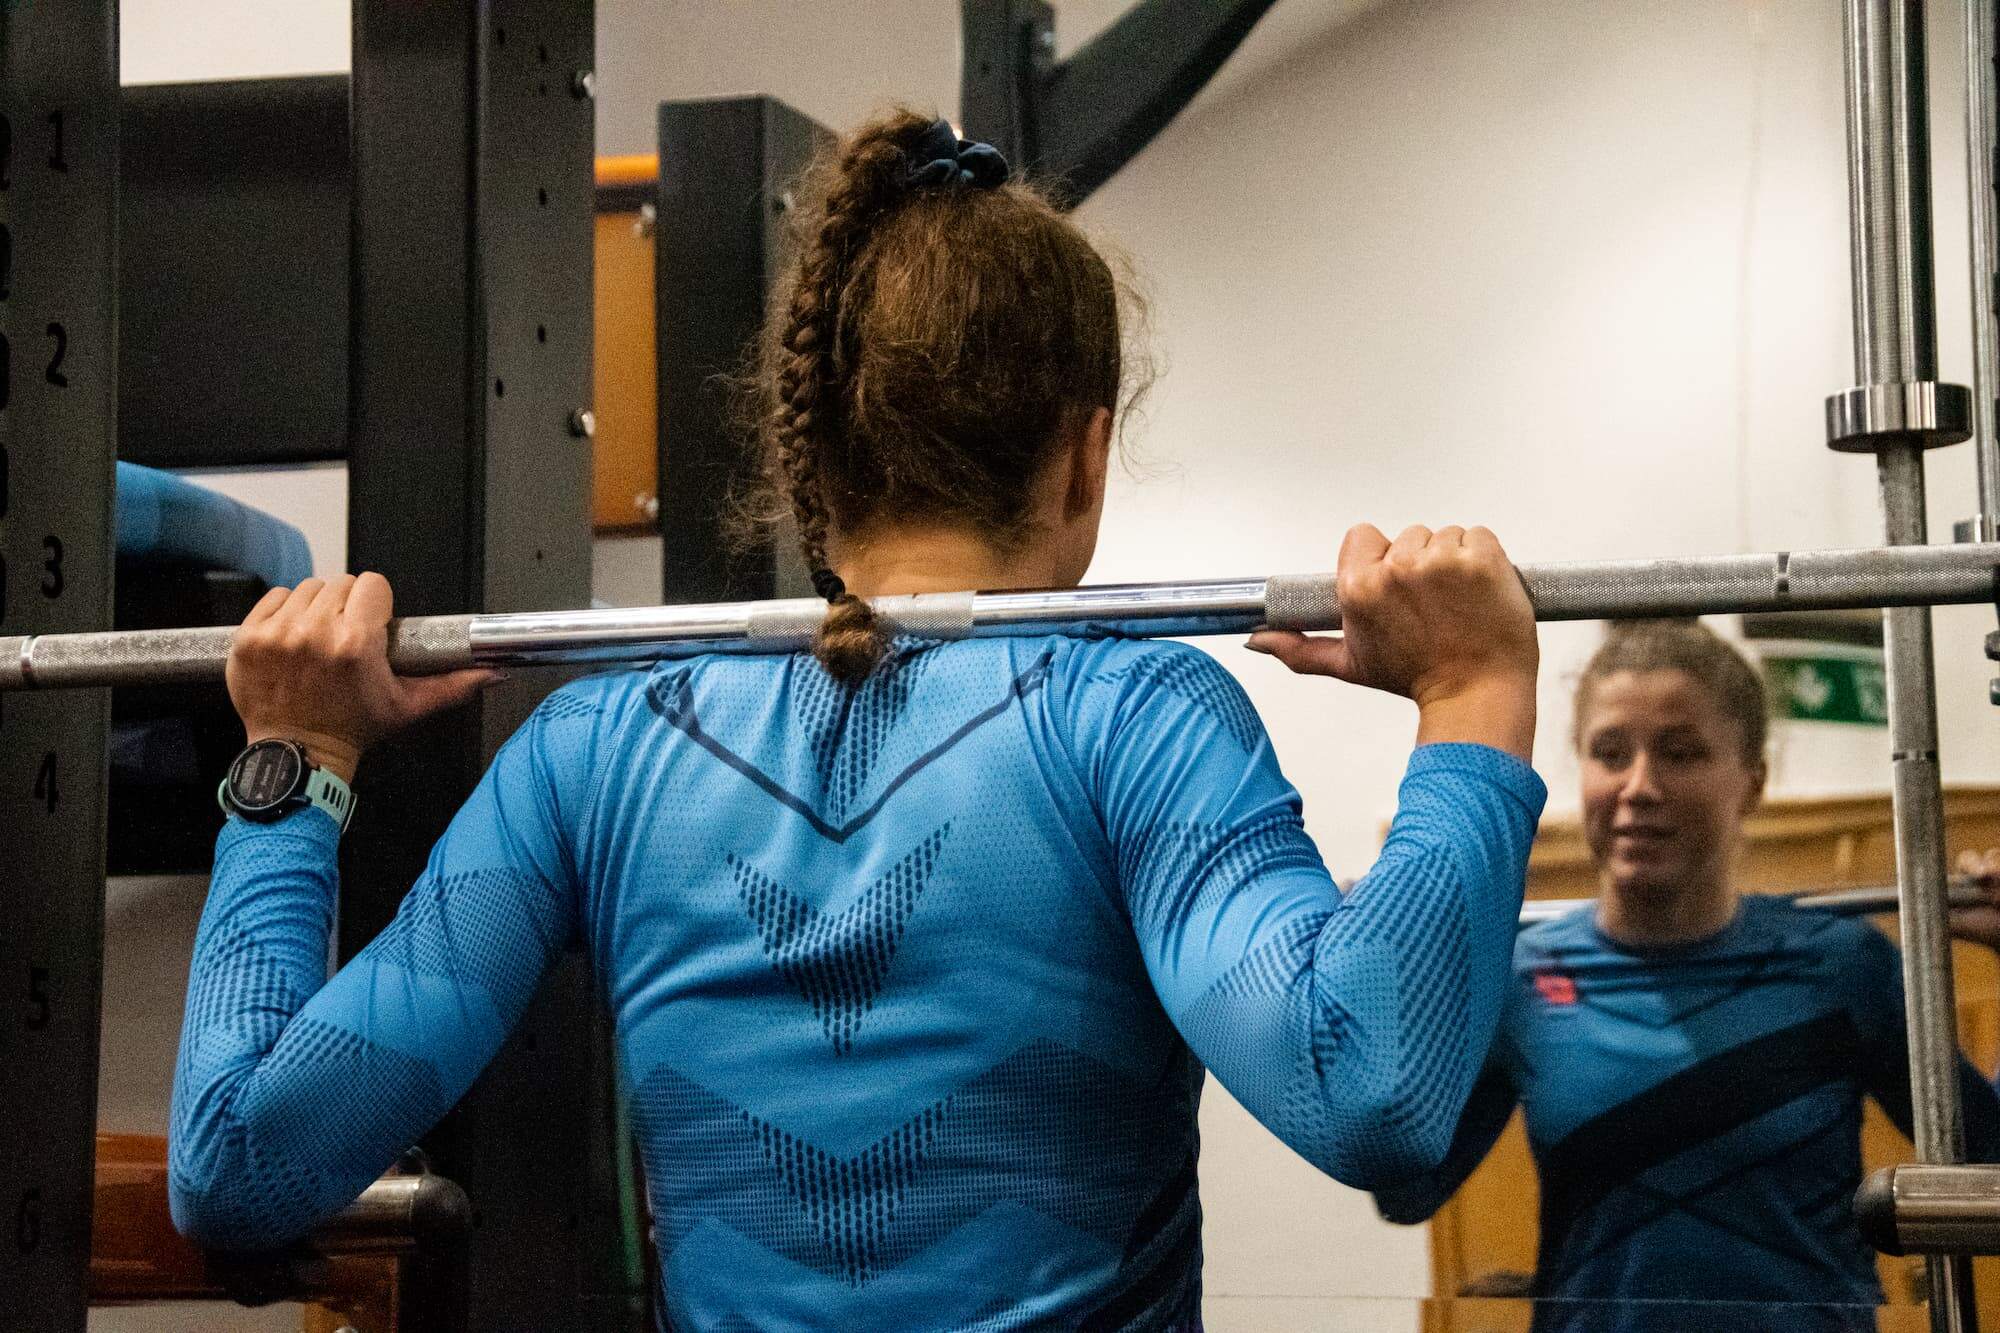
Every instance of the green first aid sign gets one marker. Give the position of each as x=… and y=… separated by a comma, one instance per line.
x=1828, y=689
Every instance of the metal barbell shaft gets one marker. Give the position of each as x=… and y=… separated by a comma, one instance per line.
x=1599, y=590
x=1836, y=902
x=1931, y=1209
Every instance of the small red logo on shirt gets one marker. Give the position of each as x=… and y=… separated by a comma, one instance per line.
x=1555, y=988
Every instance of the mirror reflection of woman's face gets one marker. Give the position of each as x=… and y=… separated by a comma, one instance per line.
x=1665, y=783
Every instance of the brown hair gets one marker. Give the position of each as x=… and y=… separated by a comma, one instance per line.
x=1686, y=646
x=931, y=346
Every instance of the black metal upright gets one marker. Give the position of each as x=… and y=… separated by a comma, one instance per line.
x=1009, y=54
x=1074, y=123
x=469, y=487
x=58, y=435
x=727, y=171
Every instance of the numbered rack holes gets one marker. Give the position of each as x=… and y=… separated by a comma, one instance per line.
x=54, y=374
x=45, y=783
x=38, y=999
x=28, y=1222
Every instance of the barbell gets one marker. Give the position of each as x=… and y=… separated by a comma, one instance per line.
x=1602, y=590
x=1872, y=900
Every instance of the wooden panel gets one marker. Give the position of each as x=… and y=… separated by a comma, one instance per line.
x=626, y=450
x=136, y=1256
x=1491, y=1226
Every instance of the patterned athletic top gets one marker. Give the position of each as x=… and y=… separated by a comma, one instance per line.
x=1695, y=1113
x=913, y=986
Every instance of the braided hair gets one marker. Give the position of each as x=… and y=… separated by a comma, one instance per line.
x=941, y=324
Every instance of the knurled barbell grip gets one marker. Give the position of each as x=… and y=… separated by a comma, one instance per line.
x=420, y=645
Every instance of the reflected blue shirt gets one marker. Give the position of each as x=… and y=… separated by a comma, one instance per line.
x=1695, y=1113
x=914, y=985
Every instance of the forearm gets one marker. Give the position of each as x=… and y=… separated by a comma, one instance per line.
x=1356, y=1028
x=1491, y=1105
x=260, y=955
x=1416, y=961
x=1496, y=711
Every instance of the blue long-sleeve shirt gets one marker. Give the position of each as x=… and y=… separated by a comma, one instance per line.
x=913, y=986
x=1695, y=1112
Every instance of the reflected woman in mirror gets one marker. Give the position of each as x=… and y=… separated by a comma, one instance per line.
x=1692, y=1061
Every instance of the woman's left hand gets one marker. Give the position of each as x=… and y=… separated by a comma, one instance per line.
x=311, y=664
x=1980, y=924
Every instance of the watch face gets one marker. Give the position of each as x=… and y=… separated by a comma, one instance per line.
x=264, y=776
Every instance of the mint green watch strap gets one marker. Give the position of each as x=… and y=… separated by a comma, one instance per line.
x=332, y=795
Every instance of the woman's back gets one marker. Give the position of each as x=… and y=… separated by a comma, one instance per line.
x=895, y=1058
x=914, y=983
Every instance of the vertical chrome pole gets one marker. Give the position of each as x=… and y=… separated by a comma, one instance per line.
x=1897, y=411
x=1979, y=152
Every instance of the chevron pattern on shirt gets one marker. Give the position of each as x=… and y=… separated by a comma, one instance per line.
x=671, y=696
x=838, y=964
x=860, y=1216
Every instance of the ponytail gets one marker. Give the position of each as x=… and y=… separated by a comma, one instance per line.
x=941, y=324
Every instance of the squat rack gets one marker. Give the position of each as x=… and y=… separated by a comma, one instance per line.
x=55, y=201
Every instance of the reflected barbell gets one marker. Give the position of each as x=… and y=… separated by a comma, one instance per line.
x=1869, y=901
x=1602, y=590
x=1922, y=1208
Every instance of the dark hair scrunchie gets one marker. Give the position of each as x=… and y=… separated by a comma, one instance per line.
x=828, y=585
x=941, y=158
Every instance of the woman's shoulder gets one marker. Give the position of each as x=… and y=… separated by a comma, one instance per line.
x=1541, y=943
x=1156, y=677
x=588, y=704
x=1781, y=913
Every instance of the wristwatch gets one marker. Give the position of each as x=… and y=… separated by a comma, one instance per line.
x=272, y=778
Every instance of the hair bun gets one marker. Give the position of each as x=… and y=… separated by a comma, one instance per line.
x=941, y=158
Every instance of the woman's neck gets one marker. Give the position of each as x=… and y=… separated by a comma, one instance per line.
x=1663, y=919
x=937, y=560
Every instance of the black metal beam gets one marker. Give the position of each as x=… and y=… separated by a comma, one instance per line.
x=469, y=487
x=1074, y=123
x=58, y=434
x=1008, y=55
x=233, y=231
x=727, y=168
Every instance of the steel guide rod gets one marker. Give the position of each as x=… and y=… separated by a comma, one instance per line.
x=1980, y=93
x=1896, y=411
x=1613, y=589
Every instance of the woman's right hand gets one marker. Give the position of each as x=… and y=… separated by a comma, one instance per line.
x=1439, y=617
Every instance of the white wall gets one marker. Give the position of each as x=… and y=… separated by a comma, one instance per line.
x=163, y=41
x=1576, y=269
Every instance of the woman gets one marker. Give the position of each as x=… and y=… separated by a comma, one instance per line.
x=1692, y=1062
x=916, y=951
